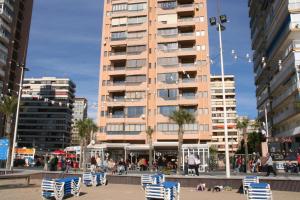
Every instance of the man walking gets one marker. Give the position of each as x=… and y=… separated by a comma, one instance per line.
x=269, y=164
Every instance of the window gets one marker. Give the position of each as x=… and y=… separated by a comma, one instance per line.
x=136, y=49
x=169, y=127
x=137, y=20
x=167, y=31
x=136, y=79
x=168, y=61
x=135, y=111
x=168, y=94
x=135, y=127
x=119, y=7
x=168, y=78
x=137, y=6
x=136, y=34
x=118, y=35
x=168, y=46
x=115, y=127
x=121, y=21
x=167, y=110
x=135, y=63
x=135, y=95
x=167, y=5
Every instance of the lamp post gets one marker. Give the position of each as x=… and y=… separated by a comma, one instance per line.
x=23, y=69
x=220, y=27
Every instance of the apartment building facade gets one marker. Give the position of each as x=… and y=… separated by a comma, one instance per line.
x=275, y=37
x=79, y=113
x=15, y=19
x=217, y=112
x=154, y=60
x=46, y=113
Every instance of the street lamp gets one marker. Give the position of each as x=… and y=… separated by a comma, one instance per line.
x=23, y=69
x=220, y=27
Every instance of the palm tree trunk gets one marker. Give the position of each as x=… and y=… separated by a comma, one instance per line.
x=246, y=150
x=150, y=154
x=180, y=141
x=81, y=155
x=10, y=137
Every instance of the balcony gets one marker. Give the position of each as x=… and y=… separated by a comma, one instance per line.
x=118, y=55
x=185, y=7
x=288, y=69
x=188, y=100
x=294, y=7
x=292, y=110
x=186, y=21
x=188, y=82
x=185, y=51
x=5, y=15
x=287, y=93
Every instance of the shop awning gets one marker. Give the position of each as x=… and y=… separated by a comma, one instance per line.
x=165, y=144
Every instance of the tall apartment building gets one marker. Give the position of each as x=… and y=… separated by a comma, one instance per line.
x=275, y=37
x=217, y=112
x=79, y=113
x=154, y=60
x=46, y=113
x=15, y=19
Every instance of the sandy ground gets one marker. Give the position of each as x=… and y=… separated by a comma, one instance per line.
x=17, y=190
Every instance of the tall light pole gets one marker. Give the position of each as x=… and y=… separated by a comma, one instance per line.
x=220, y=27
x=23, y=69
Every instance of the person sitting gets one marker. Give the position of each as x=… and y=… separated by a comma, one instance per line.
x=122, y=166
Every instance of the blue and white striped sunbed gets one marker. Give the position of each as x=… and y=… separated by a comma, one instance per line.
x=166, y=191
x=89, y=178
x=59, y=188
x=247, y=181
x=259, y=191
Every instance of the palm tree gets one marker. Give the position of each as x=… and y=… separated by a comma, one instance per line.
x=149, y=132
x=92, y=128
x=242, y=125
x=181, y=117
x=82, y=133
x=86, y=129
x=8, y=107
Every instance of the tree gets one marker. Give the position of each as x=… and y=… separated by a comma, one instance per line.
x=149, y=132
x=243, y=125
x=181, y=117
x=92, y=128
x=8, y=107
x=86, y=129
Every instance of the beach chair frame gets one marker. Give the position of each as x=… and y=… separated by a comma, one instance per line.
x=258, y=193
x=247, y=181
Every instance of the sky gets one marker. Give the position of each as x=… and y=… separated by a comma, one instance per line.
x=65, y=41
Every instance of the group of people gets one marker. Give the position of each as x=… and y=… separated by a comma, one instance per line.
x=105, y=165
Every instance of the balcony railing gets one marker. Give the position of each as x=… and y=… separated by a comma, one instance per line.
x=285, y=94
x=185, y=5
x=294, y=6
x=118, y=53
x=186, y=19
x=187, y=34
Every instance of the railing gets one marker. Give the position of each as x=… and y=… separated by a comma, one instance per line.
x=185, y=5
x=187, y=49
x=3, y=48
x=288, y=68
x=187, y=65
x=186, y=19
x=290, y=111
x=118, y=53
x=187, y=80
x=284, y=95
x=294, y=6
x=187, y=34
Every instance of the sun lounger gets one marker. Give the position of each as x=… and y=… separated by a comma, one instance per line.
x=60, y=188
x=94, y=179
x=165, y=191
x=152, y=179
x=259, y=191
x=247, y=181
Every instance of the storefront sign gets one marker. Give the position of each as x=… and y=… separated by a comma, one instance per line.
x=4, y=145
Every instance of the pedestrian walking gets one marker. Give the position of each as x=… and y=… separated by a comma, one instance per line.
x=269, y=164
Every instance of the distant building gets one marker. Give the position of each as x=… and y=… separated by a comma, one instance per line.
x=218, y=137
x=46, y=113
x=153, y=62
x=275, y=38
x=79, y=113
x=15, y=19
